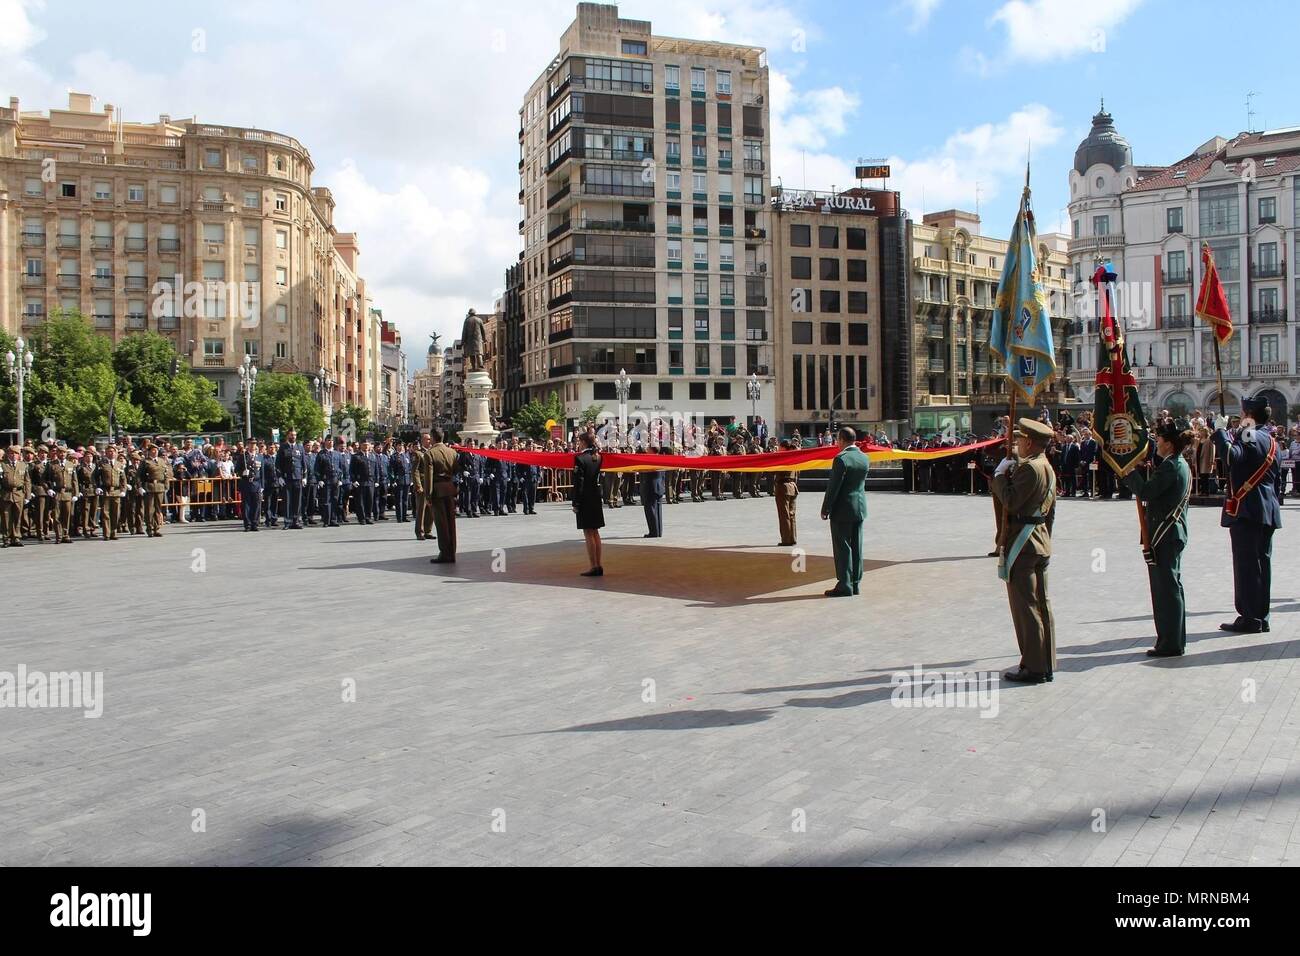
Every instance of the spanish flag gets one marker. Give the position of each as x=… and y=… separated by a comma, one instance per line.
x=1211, y=303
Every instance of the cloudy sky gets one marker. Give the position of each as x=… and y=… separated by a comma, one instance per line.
x=410, y=109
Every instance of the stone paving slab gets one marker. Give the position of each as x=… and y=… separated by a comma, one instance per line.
x=501, y=714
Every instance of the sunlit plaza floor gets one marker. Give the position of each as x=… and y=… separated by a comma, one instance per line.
x=330, y=697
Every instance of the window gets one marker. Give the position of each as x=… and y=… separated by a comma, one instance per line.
x=701, y=359
x=699, y=391
x=858, y=303
x=727, y=286
x=281, y=202
x=1101, y=225
x=33, y=187
x=801, y=236
x=674, y=148
x=801, y=333
x=801, y=267
x=1174, y=219
x=830, y=300
x=697, y=79
x=701, y=323
x=214, y=349
x=1267, y=209
x=674, y=250
x=281, y=239
x=673, y=181
x=34, y=267
x=167, y=194
x=1177, y=269
x=1267, y=259
x=68, y=190
x=724, y=83
x=251, y=348
x=665, y=391
x=634, y=47
x=1219, y=214
x=858, y=334
x=830, y=333
x=252, y=199
x=754, y=190
x=135, y=193
x=857, y=270
x=675, y=321
x=214, y=232
x=281, y=350
x=281, y=275
x=828, y=237
x=727, y=253
x=701, y=287
x=1177, y=307
x=855, y=238
x=103, y=191
x=214, y=270
x=211, y=194
x=282, y=313
x=699, y=183
x=212, y=158
x=1177, y=352
x=722, y=391
x=728, y=323
x=829, y=270
x=701, y=250
x=1077, y=231
x=252, y=235
x=673, y=77
x=251, y=272
x=250, y=163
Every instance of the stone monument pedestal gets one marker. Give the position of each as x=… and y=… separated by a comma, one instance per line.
x=478, y=421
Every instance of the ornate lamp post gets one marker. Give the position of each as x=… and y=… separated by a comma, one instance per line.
x=20, y=366
x=754, y=388
x=247, y=379
x=623, y=386
x=325, y=395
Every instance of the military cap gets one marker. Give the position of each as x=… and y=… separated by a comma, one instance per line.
x=1255, y=407
x=1035, y=429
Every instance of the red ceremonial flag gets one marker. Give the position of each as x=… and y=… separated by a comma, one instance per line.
x=1212, y=304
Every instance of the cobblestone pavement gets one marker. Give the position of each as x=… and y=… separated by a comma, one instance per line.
x=701, y=704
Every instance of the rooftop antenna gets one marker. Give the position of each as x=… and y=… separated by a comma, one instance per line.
x=1250, y=113
x=977, y=199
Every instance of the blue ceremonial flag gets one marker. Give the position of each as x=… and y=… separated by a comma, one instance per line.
x=1021, y=331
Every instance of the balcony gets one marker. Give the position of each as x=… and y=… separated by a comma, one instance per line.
x=1179, y=372
x=935, y=330
x=136, y=322
x=981, y=368
x=101, y=242
x=103, y=321
x=132, y=283
x=69, y=242
x=755, y=301
x=1176, y=278
x=936, y=364
x=33, y=239
x=214, y=360
x=136, y=243
x=169, y=245
x=33, y=317
x=103, y=281
x=1268, y=270
x=558, y=195
x=1269, y=369
x=559, y=230
x=69, y=280
x=615, y=225
x=1181, y=321
x=30, y=279
x=1114, y=241
x=613, y=189
x=1268, y=317
x=754, y=166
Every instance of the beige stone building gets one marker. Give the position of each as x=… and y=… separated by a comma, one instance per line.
x=955, y=274
x=837, y=304
x=426, y=389
x=644, y=170
x=211, y=235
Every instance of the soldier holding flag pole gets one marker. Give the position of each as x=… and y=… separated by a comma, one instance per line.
x=1024, y=484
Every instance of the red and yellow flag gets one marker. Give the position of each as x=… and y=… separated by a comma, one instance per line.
x=1212, y=303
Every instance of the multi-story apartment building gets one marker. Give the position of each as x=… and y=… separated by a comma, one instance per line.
x=211, y=235
x=635, y=150
x=958, y=382
x=1241, y=197
x=452, y=390
x=514, y=394
x=842, y=308
x=393, y=411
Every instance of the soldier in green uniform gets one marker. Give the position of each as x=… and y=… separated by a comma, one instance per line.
x=34, y=510
x=62, y=489
x=1025, y=487
x=15, y=489
x=422, y=484
x=845, y=506
x=154, y=475
x=1165, y=494
x=111, y=482
x=88, y=505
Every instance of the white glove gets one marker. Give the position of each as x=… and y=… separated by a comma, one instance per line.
x=304, y=482
x=50, y=492
x=128, y=487
x=99, y=491
x=1220, y=421
x=1004, y=466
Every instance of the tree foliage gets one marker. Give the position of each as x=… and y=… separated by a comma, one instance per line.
x=284, y=400
x=531, y=419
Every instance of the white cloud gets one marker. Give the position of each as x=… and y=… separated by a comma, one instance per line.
x=1039, y=31
x=921, y=11
x=803, y=126
x=17, y=32
x=990, y=157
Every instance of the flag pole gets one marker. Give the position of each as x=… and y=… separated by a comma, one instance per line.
x=1218, y=371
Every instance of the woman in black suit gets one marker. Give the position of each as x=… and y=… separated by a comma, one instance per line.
x=586, y=500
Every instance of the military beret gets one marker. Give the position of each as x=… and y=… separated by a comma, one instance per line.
x=43, y=448
x=1035, y=429
x=1254, y=406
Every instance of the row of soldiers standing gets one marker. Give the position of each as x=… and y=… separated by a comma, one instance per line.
x=486, y=486
x=46, y=493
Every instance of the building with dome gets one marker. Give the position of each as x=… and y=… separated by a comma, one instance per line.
x=427, y=387
x=1240, y=196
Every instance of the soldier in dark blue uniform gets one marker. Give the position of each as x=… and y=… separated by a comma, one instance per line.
x=652, y=501
x=291, y=463
x=399, y=478
x=529, y=475
x=270, y=488
x=512, y=485
x=362, y=484
x=248, y=468
x=1251, y=512
x=493, y=486
x=343, y=463
x=309, y=503
x=379, y=467
x=326, y=473
x=464, y=465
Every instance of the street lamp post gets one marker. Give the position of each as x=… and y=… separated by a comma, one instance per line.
x=20, y=366
x=755, y=390
x=325, y=395
x=247, y=379
x=623, y=385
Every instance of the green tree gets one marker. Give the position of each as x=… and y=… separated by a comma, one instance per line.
x=531, y=419
x=350, y=421
x=284, y=400
x=184, y=402
x=591, y=415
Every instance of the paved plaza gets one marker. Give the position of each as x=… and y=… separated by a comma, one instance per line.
x=329, y=697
